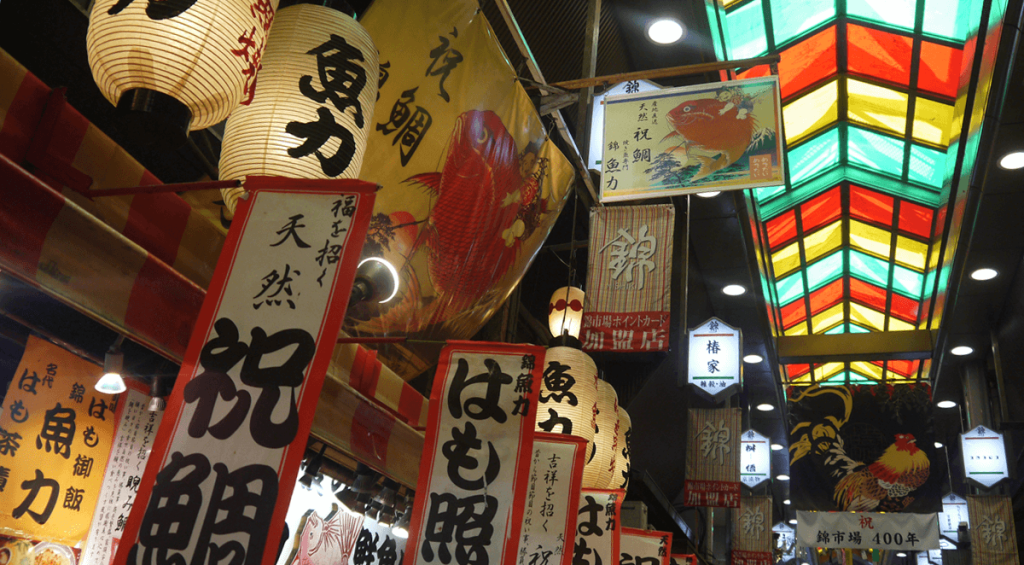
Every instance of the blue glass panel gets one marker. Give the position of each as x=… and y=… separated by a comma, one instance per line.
x=745, y=28
x=876, y=152
x=870, y=269
x=894, y=13
x=825, y=271
x=927, y=166
x=791, y=18
x=907, y=282
x=790, y=288
x=814, y=156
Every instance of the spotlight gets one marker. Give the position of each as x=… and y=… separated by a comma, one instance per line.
x=312, y=469
x=386, y=500
x=734, y=290
x=157, y=402
x=962, y=350
x=113, y=364
x=765, y=407
x=1012, y=161
x=752, y=358
x=665, y=31
x=376, y=279
x=946, y=404
x=985, y=274
x=401, y=529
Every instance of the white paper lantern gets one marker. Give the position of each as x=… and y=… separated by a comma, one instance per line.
x=601, y=466
x=177, y=65
x=313, y=110
x=620, y=479
x=565, y=311
x=568, y=394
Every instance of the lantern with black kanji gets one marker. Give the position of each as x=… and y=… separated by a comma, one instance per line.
x=568, y=394
x=601, y=466
x=620, y=478
x=565, y=312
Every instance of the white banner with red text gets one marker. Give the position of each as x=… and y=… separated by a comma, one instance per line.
x=598, y=526
x=556, y=477
x=644, y=547
x=863, y=530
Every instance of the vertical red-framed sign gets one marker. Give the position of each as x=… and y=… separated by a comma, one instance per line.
x=552, y=500
x=474, y=473
x=236, y=424
x=598, y=526
x=644, y=547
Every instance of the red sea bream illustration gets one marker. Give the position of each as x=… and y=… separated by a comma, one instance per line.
x=714, y=132
x=327, y=542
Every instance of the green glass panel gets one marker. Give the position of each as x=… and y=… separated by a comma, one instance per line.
x=877, y=152
x=927, y=165
x=840, y=329
x=838, y=379
x=814, y=156
x=745, y=29
x=929, y=282
x=825, y=271
x=789, y=288
x=716, y=36
x=868, y=268
x=946, y=18
x=791, y=18
x=908, y=282
x=895, y=13
x=855, y=329
x=767, y=193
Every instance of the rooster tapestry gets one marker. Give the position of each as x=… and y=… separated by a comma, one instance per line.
x=864, y=449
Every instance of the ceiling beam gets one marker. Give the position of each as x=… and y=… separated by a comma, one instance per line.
x=874, y=346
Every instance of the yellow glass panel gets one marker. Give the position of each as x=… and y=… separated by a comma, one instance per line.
x=911, y=253
x=823, y=241
x=867, y=317
x=898, y=325
x=811, y=112
x=877, y=106
x=799, y=329
x=804, y=378
x=869, y=370
x=875, y=241
x=786, y=259
x=827, y=370
x=728, y=3
x=934, y=258
x=932, y=121
x=828, y=319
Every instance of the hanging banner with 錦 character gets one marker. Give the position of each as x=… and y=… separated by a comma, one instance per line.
x=724, y=136
x=864, y=449
x=471, y=184
x=713, y=458
x=55, y=436
x=219, y=478
x=556, y=476
x=474, y=473
x=863, y=530
x=993, y=535
x=629, y=278
x=598, y=527
x=644, y=547
x=752, y=533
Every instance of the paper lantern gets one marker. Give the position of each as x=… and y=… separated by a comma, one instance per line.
x=565, y=311
x=314, y=107
x=568, y=394
x=620, y=479
x=601, y=465
x=176, y=66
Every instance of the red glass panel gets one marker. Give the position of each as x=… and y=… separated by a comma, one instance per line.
x=821, y=210
x=868, y=294
x=808, y=62
x=826, y=296
x=781, y=229
x=754, y=72
x=940, y=69
x=793, y=313
x=796, y=370
x=870, y=206
x=905, y=308
x=878, y=54
x=916, y=219
x=906, y=368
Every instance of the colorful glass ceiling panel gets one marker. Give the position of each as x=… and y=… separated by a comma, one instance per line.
x=856, y=372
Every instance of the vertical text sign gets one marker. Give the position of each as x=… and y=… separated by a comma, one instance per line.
x=755, y=459
x=237, y=421
x=641, y=547
x=984, y=454
x=476, y=457
x=954, y=511
x=714, y=357
x=597, y=527
x=556, y=476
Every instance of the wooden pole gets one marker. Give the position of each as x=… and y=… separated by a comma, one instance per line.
x=684, y=70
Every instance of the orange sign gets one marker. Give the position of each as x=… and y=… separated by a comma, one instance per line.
x=55, y=437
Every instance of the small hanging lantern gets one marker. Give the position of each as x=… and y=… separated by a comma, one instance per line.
x=565, y=312
x=314, y=108
x=568, y=394
x=601, y=466
x=620, y=480
x=175, y=66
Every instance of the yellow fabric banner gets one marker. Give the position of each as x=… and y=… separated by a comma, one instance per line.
x=55, y=437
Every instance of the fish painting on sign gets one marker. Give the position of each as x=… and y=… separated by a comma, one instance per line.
x=327, y=541
x=692, y=139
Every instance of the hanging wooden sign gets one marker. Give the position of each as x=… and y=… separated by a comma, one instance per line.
x=993, y=534
x=752, y=535
x=712, y=458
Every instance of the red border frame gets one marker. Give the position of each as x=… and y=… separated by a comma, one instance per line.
x=666, y=560
x=618, y=516
x=334, y=315
x=575, y=485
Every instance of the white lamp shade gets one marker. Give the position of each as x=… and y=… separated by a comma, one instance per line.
x=600, y=468
x=205, y=56
x=568, y=394
x=313, y=110
x=620, y=480
x=565, y=311
x=111, y=383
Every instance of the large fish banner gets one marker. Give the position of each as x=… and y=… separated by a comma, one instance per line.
x=713, y=458
x=864, y=449
x=629, y=278
x=993, y=535
x=470, y=183
x=723, y=136
x=752, y=532
x=474, y=473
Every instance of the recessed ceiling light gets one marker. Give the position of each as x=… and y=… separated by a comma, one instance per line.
x=752, y=358
x=786, y=502
x=734, y=290
x=777, y=447
x=946, y=404
x=938, y=445
x=984, y=274
x=793, y=521
x=1013, y=160
x=665, y=31
x=782, y=477
x=710, y=194
x=766, y=407
x=961, y=350
x=901, y=554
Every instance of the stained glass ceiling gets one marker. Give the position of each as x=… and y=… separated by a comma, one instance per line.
x=869, y=90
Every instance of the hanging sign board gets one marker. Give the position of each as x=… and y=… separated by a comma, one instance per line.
x=377, y=544
x=752, y=537
x=552, y=500
x=993, y=535
x=724, y=136
x=239, y=416
x=864, y=530
x=984, y=455
x=755, y=459
x=785, y=541
x=954, y=511
x=474, y=473
x=714, y=358
x=598, y=527
x=644, y=547
x=712, y=458
x=597, y=116
x=319, y=531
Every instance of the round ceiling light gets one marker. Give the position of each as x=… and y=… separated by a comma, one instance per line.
x=1012, y=161
x=710, y=194
x=938, y=445
x=777, y=447
x=665, y=31
x=734, y=290
x=786, y=502
x=793, y=521
x=946, y=404
x=984, y=274
x=765, y=407
x=752, y=358
x=961, y=350
x=782, y=477
x=901, y=554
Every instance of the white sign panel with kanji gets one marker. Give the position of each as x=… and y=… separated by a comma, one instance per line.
x=714, y=360
x=755, y=459
x=954, y=511
x=786, y=542
x=984, y=454
x=865, y=530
